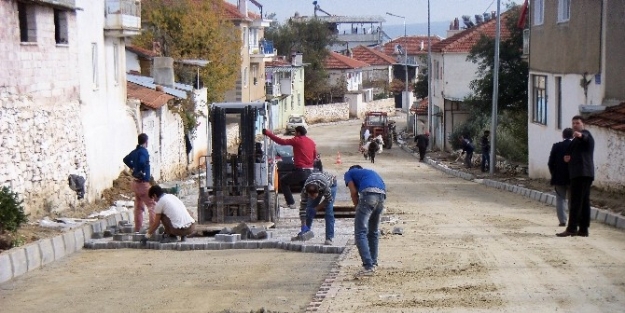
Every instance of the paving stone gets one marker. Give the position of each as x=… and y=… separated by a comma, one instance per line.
x=19, y=261
x=6, y=270
x=47, y=251
x=96, y=227
x=199, y=246
x=213, y=245
x=257, y=233
x=70, y=242
x=110, y=221
x=33, y=256
x=620, y=222
x=268, y=244
x=98, y=235
x=227, y=245
x=398, y=231
x=79, y=239
x=99, y=245
x=610, y=219
x=59, y=247
x=240, y=245
x=89, y=244
x=601, y=216
x=252, y=245
x=308, y=248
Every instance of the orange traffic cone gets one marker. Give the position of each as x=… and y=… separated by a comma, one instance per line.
x=338, y=158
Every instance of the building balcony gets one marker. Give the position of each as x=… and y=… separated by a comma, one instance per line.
x=123, y=18
x=264, y=50
x=273, y=89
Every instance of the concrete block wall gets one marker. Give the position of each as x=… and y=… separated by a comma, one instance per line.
x=327, y=112
x=21, y=260
x=382, y=105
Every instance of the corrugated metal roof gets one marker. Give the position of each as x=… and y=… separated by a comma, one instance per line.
x=180, y=90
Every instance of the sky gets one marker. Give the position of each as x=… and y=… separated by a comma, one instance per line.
x=415, y=11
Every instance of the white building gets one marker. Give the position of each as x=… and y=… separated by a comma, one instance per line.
x=344, y=70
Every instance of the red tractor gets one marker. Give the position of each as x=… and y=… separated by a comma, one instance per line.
x=378, y=124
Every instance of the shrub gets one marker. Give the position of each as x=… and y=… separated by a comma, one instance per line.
x=11, y=211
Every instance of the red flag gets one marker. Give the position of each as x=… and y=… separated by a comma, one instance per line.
x=523, y=16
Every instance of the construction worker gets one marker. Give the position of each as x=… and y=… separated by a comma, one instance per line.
x=422, y=141
x=368, y=193
x=138, y=160
x=319, y=185
x=304, y=154
x=172, y=213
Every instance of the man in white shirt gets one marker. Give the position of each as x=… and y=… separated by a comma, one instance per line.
x=172, y=213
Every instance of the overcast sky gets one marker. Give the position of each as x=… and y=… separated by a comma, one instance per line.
x=414, y=10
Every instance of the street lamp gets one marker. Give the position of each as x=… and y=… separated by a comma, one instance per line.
x=493, y=123
x=405, y=69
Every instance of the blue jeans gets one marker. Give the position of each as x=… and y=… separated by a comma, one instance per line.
x=366, y=227
x=561, y=203
x=485, y=160
x=329, y=216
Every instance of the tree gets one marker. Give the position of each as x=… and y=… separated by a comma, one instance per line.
x=311, y=38
x=420, y=87
x=512, y=101
x=191, y=29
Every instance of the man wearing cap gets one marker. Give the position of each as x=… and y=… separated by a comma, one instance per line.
x=368, y=193
x=422, y=141
x=304, y=154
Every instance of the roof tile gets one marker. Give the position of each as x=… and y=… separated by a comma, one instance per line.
x=413, y=42
x=466, y=39
x=337, y=61
x=613, y=117
x=372, y=56
x=149, y=97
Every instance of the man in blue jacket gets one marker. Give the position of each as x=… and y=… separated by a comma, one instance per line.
x=560, y=173
x=138, y=160
x=368, y=193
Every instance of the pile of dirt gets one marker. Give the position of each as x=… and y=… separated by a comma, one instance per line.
x=121, y=189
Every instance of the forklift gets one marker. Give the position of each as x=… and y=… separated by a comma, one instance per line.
x=239, y=187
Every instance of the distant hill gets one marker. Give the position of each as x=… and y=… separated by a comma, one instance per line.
x=437, y=28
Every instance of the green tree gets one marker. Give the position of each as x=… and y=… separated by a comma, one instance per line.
x=11, y=211
x=311, y=38
x=191, y=29
x=512, y=100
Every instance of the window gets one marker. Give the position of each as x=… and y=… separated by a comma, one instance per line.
x=245, y=37
x=539, y=12
x=28, y=26
x=539, y=99
x=255, y=74
x=559, y=102
x=116, y=63
x=564, y=10
x=60, y=27
x=94, y=65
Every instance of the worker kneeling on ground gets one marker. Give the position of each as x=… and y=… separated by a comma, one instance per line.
x=172, y=213
x=319, y=185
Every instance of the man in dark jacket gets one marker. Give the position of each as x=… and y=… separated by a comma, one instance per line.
x=422, y=141
x=485, y=143
x=579, y=156
x=468, y=148
x=139, y=162
x=560, y=173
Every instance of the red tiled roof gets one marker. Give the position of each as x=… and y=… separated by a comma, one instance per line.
x=149, y=97
x=466, y=39
x=372, y=56
x=413, y=42
x=142, y=51
x=421, y=108
x=337, y=61
x=613, y=117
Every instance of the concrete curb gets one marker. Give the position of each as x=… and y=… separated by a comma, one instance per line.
x=214, y=245
x=598, y=215
x=18, y=261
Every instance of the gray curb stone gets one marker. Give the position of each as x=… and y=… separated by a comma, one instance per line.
x=19, y=261
x=593, y=213
x=601, y=216
x=611, y=219
x=620, y=222
x=59, y=247
x=47, y=251
x=70, y=242
x=6, y=269
x=33, y=256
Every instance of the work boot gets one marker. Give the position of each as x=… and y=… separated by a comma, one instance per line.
x=169, y=239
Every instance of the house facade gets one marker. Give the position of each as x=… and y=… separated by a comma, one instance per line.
x=285, y=89
x=417, y=49
x=255, y=51
x=452, y=74
x=379, y=74
x=582, y=77
x=345, y=70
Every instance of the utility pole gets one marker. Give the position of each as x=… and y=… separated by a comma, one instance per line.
x=430, y=108
x=406, y=98
x=493, y=123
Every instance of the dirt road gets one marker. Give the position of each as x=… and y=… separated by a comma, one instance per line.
x=468, y=248
x=465, y=248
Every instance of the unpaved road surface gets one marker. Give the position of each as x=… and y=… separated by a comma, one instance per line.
x=465, y=248
x=170, y=281
x=468, y=248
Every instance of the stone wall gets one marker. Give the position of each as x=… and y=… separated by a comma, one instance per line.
x=173, y=149
x=327, y=112
x=382, y=105
x=41, y=146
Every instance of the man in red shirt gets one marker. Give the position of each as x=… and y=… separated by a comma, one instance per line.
x=304, y=154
